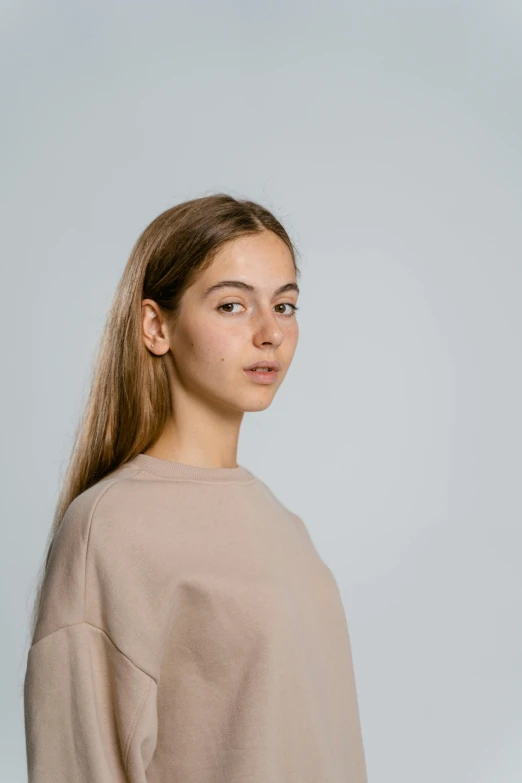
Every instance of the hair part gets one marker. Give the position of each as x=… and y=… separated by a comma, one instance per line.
x=129, y=401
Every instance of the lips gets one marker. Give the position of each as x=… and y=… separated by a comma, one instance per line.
x=271, y=365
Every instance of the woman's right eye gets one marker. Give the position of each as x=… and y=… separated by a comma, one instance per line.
x=228, y=304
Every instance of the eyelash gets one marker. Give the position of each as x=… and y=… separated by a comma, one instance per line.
x=294, y=307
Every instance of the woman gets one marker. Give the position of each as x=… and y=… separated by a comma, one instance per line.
x=185, y=628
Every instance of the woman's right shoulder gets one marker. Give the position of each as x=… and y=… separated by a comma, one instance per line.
x=100, y=498
x=117, y=509
x=113, y=565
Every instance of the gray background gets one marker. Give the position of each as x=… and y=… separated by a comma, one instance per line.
x=387, y=138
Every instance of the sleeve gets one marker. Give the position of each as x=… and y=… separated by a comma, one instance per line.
x=93, y=667
x=90, y=713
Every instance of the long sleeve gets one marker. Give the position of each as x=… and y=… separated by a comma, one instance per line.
x=90, y=691
x=90, y=713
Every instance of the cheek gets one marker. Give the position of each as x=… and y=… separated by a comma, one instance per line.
x=215, y=346
x=291, y=337
x=293, y=330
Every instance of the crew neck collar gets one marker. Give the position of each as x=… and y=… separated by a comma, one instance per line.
x=180, y=470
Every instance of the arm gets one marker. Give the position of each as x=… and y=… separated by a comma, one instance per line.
x=90, y=691
x=90, y=713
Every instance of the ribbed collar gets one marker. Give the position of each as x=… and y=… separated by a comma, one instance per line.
x=179, y=470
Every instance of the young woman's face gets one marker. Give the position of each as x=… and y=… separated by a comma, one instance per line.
x=219, y=332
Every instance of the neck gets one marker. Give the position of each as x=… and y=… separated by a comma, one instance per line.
x=208, y=441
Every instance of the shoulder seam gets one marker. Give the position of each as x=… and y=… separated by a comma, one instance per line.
x=91, y=515
x=84, y=622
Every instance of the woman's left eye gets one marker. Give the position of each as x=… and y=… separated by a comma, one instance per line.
x=289, y=304
x=283, y=304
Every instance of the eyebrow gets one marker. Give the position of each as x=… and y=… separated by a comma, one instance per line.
x=247, y=287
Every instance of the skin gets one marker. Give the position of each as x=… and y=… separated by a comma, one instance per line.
x=207, y=349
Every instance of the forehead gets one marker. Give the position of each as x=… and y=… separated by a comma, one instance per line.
x=261, y=259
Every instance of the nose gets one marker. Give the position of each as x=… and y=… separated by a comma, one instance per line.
x=268, y=329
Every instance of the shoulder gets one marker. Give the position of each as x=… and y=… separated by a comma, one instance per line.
x=62, y=600
x=293, y=519
x=115, y=515
x=109, y=567
x=74, y=531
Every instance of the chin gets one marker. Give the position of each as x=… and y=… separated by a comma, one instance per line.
x=259, y=405
x=250, y=403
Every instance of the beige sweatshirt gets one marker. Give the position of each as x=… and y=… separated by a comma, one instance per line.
x=190, y=633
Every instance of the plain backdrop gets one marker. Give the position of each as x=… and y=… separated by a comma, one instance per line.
x=386, y=136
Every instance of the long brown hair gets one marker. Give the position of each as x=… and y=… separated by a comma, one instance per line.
x=129, y=401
